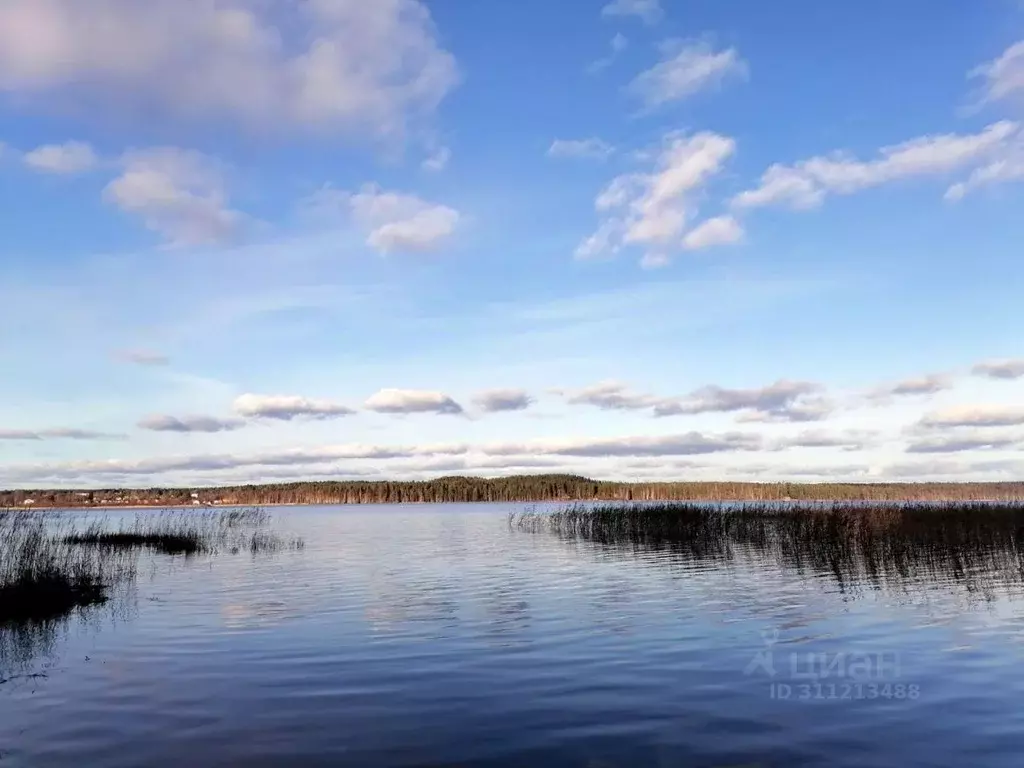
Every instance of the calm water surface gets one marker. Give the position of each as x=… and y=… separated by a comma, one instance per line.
x=436, y=636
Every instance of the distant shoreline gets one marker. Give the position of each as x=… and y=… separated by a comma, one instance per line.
x=709, y=500
x=519, y=489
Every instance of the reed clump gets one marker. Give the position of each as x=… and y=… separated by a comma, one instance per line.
x=855, y=543
x=50, y=567
x=189, y=533
x=44, y=576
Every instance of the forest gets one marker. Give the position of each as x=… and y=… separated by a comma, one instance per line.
x=519, y=488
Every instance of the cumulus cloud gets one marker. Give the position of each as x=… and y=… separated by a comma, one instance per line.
x=653, y=210
x=922, y=385
x=178, y=193
x=412, y=401
x=496, y=400
x=686, y=68
x=321, y=65
x=69, y=158
x=394, y=221
x=809, y=182
x=609, y=396
x=648, y=11
x=188, y=424
x=141, y=357
x=59, y=433
x=287, y=407
x=783, y=400
x=1000, y=369
x=1003, y=77
x=591, y=149
x=975, y=416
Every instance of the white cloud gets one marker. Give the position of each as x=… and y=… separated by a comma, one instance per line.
x=592, y=148
x=783, y=400
x=806, y=184
x=653, y=210
x=960, y=442
x=688, y=444
x=438, y=160
x=188, y=424
x=86, y=471
x=618, y=44
x=1005, y=165
x=687, y=67
x=327, y=65
x=975, y=416
x=922, y=385
x=400, y=222
x=412, y=401
x=496, y=400
x=1000, y=369
x=647, y=10
x=606, y=241
x=850, y=440
x=609, y=396
x=1004, y=76
x=68, y=158
x=287, y=407
x=721, y=230
x=178, y=193
x=952, y=470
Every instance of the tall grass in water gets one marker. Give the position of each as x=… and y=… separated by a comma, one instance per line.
x=43, y=576
x=978, y=544
x=51, y=568
x=188, y=532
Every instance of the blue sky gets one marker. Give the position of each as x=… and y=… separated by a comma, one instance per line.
x=258, y=240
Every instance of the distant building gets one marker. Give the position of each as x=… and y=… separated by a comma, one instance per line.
x=29, y=502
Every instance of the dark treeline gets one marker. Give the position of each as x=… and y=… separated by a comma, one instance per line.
x=523, y=488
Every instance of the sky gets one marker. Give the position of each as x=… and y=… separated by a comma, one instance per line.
x=271, y=240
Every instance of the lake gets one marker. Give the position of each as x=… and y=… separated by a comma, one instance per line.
x=437, y=635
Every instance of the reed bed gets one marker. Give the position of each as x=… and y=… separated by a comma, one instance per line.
x=44, y=576
x=188, y=533
x=855, y=543
x=50, y=567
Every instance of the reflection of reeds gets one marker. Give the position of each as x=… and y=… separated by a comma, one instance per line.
x=978, y=544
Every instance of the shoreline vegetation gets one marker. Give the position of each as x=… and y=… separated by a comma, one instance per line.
x=52, y=566
x=517, y=488
x=977, y=545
